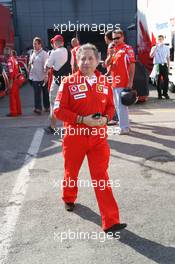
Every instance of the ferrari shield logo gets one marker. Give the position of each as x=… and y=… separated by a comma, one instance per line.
x=99, y=88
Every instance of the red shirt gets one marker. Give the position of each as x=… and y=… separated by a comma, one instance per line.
x=13, y=67
x=77, y=97
x=120, y=63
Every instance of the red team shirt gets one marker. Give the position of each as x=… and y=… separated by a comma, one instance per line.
x=123, y=56
x=13, y=68
x=78, y=97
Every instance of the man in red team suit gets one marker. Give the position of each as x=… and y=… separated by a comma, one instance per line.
x=121, y=61
x=85, y=103
x=14, y=98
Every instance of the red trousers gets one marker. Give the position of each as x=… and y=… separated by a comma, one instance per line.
x=75, y=148
x=15, y=103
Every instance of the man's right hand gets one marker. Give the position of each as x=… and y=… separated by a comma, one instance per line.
x=45, y=78
x=111, y=52
x=10, y=84
x=90, y=121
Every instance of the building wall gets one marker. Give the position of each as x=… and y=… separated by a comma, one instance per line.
x=35, y=17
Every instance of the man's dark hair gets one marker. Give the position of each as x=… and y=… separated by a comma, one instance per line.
x=108, y=34
x=119, y=31
x=14, y=53
x=160, y=36
x=38, y=40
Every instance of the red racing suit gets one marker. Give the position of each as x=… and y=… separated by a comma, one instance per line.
x=14, y=98
x=78, y=97
x=120, y=63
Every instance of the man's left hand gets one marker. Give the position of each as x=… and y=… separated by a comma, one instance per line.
x=45, y=78
x=102, y=121
x=130, y=85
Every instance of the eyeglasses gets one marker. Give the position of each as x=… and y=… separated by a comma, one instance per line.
x=116, y=38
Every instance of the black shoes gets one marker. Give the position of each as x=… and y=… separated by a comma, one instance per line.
x=46, y=110
x=166, y=96
x=69, y=206
x=49, y=130
x=12, y=115
x=115, y=228
x=37, y=111
x=9, y=115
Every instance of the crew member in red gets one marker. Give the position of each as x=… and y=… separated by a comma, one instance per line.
x=14, y=98
x=122, y=61
x=85, y=103
x=75, y=46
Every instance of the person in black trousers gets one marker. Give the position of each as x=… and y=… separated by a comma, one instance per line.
x=37, y=76
x=161, y=58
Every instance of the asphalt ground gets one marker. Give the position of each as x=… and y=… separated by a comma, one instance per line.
x=34, y=226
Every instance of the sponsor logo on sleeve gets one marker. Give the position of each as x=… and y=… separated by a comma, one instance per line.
x=56, y=105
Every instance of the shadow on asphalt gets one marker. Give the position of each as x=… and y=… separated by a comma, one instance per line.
x=139, y=150
x=86, y=213
x=158, y=130
x=16, y=159
x=150, y=249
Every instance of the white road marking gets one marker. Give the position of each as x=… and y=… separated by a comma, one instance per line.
x=9, y=220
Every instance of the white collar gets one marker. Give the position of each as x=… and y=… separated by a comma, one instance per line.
x=91, y=80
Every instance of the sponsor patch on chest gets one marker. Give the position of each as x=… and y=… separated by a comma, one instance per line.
x=78, y=88
x=79, y=96
x=101, y=89
x=82, y=88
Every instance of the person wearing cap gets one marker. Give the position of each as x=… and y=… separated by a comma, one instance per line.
x=58, y=61
x=37, y=76
x=75, y=46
